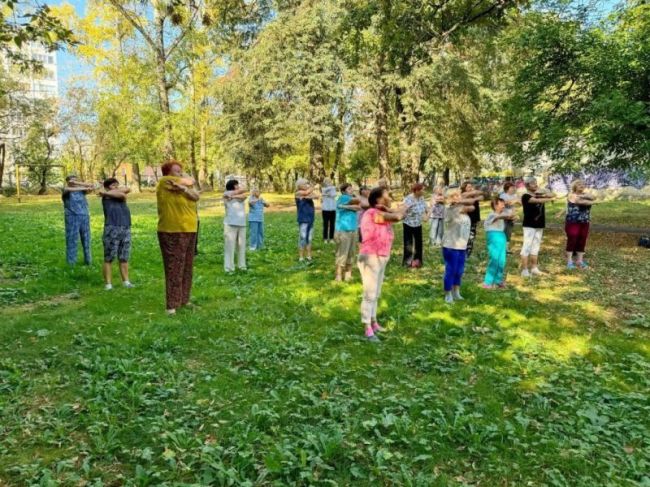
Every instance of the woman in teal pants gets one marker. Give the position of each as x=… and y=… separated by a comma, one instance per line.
x=497, y=244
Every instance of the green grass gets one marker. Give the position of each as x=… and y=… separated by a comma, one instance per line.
x=268, y=382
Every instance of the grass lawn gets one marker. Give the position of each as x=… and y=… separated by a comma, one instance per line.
x=268, y=381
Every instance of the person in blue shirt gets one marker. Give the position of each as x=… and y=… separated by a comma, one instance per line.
x=305, y=196
x=77, y=218
x=346, y=231
x=256, y=206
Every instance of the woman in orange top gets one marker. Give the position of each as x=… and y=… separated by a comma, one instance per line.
x=177, y=227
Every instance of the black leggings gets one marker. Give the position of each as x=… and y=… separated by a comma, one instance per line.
x=412, y=244
x=329, y=219
x=472, y=237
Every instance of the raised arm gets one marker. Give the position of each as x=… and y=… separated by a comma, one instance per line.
x=583, y=200
x=188, y=192
x=471, y=200
x=465, y=208
x=116, y=194
x=541, y=199
x=476, y=193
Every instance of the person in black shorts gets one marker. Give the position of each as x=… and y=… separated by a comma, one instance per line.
x=117, y=231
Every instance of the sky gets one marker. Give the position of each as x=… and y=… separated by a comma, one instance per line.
x=69, y=67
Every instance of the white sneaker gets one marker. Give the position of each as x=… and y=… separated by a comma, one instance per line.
x=108, y=287
x=536, y=272
x=251, y=249
x=525, y=273
x=128, y=284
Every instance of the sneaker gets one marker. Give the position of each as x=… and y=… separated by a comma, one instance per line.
x=309, y=259
x=449, y=299
x=570, y=266
x=416, y=264
x=536, y=272
x=300, y=259
x=252, y=249
x=377, y=328
x=348, y=276
x=458, y=297
x=128, y=284
x=502, y=285
x=487, y=286
x=370, y=335
x=583, y=265
x=108, y=287
x=170, y=312
x=338, y=278
x=525, y=273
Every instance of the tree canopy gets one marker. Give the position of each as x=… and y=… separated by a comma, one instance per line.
x=406, y=90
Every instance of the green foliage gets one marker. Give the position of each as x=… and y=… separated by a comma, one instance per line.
x=267, y=381
x=579, y=92
x=23, y=22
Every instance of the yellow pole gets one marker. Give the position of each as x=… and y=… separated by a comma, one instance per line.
x=18, y=182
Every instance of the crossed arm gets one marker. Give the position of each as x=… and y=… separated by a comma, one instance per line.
x=187, y=190
x=307, y=194
x=117, y=194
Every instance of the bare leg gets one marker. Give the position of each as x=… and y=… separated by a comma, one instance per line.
x=124, y=271
x=524, y=263
x=308, y=249
x=533, y=261
x=107, y=270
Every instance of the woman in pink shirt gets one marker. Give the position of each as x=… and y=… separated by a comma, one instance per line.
x=377, y=239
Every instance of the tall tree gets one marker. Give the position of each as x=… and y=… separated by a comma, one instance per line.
x=580, y=91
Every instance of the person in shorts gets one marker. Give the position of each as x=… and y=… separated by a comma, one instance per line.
x=533, y=203
x=117, y=231
x=305, y=196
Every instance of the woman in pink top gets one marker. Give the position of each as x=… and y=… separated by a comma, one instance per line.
x=377, y=239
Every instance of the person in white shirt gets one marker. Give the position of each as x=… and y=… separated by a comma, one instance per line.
x=328, y=208
x=234, y=227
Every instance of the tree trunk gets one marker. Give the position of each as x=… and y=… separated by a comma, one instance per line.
x=203, y=156
x=381, y=134
x=445, y=176
x=2, y=163
x=137, y=177
x=193, y=166
x=163, y=90
x=43, y=182
x=338, y=156
x=316, y=163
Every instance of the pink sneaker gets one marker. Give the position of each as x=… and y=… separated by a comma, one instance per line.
x=377, y=328
x=502, y=285
x=370, y=334
x=487, y=286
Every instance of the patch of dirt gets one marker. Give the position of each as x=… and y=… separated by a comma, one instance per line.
x=50, y=302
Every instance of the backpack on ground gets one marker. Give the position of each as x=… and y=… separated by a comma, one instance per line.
x=644, y=241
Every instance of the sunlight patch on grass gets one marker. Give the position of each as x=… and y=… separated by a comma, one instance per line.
x=439, y=316
x=561, y=349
